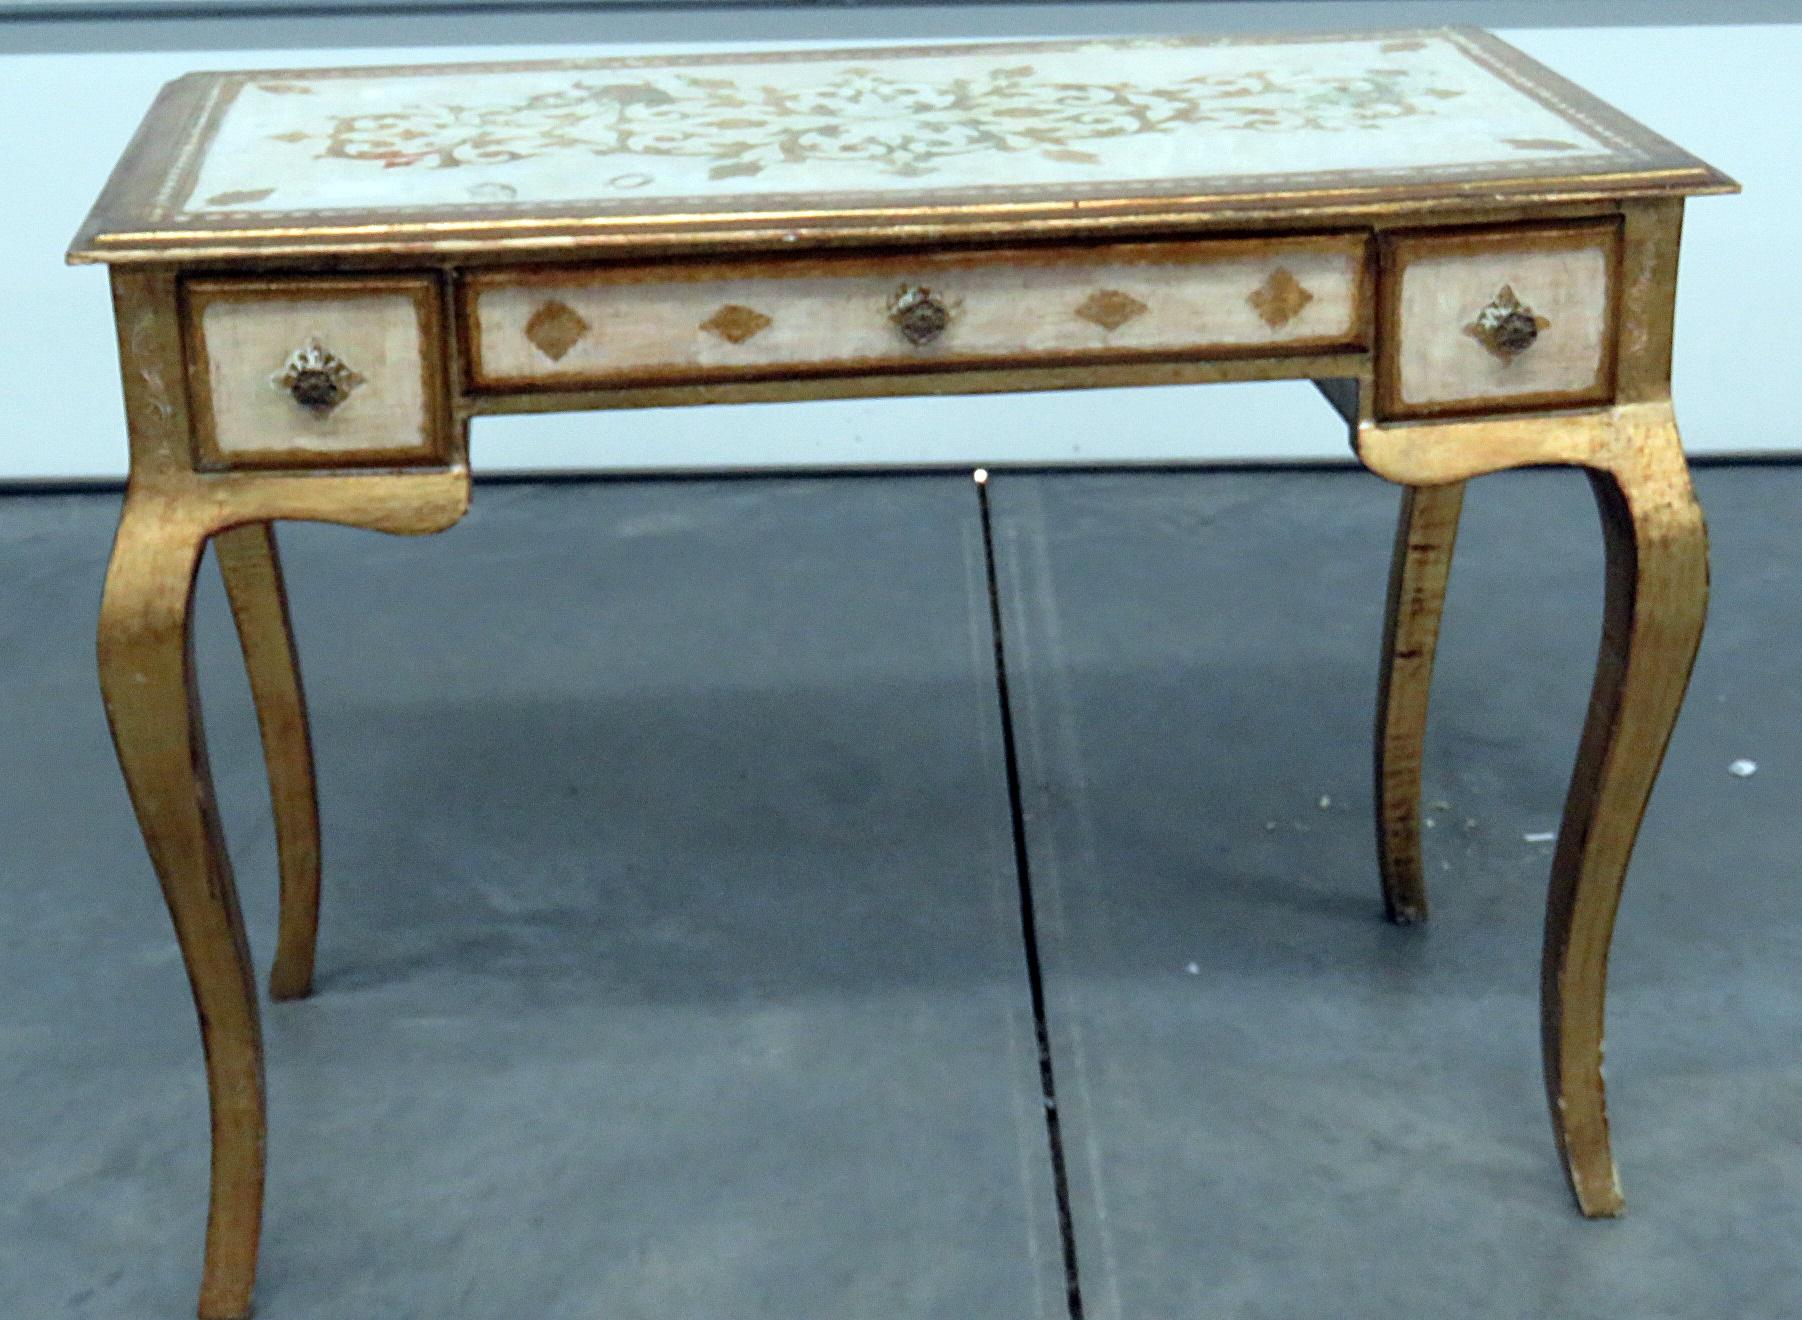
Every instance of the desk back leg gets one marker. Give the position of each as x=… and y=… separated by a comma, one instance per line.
x=251, y=567
x=1425, y=535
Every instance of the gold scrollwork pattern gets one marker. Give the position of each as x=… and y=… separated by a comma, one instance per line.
x=901, y=126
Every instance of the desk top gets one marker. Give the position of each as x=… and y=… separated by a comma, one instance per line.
x=810, y=147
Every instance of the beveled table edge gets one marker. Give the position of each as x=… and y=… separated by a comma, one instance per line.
x=119, y=229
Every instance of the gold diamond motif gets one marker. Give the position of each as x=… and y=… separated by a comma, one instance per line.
x=1110, y=309
x=1280, y=298
x=1507, y=327
x=555, y=328
x=735, y=323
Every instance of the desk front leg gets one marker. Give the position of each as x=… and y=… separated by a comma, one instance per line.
x=172, y=509
x=147, y=679
x=1657, y=593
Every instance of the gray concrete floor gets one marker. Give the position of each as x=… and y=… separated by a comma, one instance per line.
x=1332, y=1117
x=673, y=964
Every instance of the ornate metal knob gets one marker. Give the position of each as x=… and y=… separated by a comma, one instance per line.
x=317, y=378
x=1506, y=327
x=918, y=314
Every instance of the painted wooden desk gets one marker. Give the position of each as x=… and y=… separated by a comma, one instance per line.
x=320, y=276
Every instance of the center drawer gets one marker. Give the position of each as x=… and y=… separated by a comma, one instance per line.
x=601, y=326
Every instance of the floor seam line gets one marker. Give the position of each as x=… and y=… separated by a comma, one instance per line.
x=1028, y=924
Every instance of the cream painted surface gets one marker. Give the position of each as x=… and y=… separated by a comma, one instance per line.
x=928, y=124
x=375, y=335
x=997, y=311
x=1441, y=295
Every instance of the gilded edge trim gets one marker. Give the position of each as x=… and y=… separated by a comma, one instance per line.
x=963, y=379
x=126, y=224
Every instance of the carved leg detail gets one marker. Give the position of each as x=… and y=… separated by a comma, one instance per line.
x=1657, y=589
x=1425, y=535
x=252, y=570
x=147, y=678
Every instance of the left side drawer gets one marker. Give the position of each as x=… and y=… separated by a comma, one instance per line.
x=317, y=372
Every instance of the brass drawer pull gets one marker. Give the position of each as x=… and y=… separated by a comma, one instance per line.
x=918, y=314
x=1506, y=327
x=317, y=378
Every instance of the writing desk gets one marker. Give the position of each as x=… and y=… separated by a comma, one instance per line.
x=320, y=276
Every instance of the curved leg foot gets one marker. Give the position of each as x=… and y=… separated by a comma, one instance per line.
x=147, y=678
x=1424, y=537
x=1657, y=590
x=252, y=570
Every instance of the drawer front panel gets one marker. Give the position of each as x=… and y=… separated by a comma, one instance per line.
x=623, y=326
x=320, y=373
x=1498, y=320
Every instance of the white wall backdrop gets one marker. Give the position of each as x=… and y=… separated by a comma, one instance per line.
x=1728, y=93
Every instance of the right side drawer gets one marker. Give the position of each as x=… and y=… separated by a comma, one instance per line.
x=1498, y=320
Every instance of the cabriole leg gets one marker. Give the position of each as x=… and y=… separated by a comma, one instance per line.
x=147, y=679
x=252, y=570
x=1657, y=594
x=1657, y=589
x=1425, y=535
